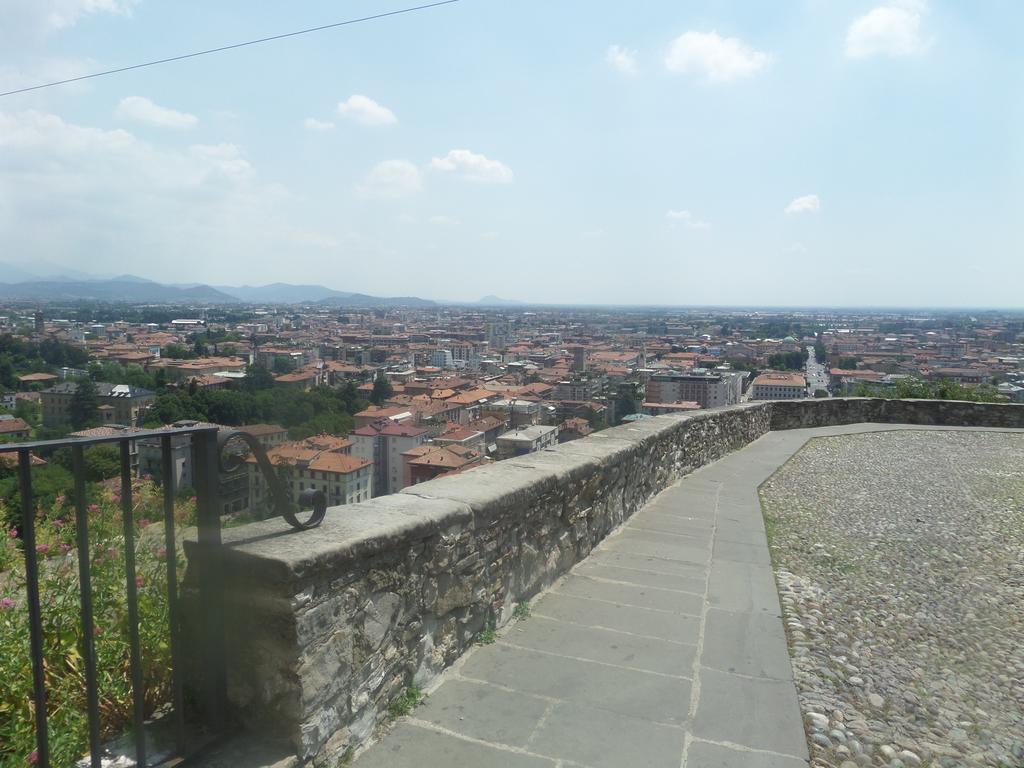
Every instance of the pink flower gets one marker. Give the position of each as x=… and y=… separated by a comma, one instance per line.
x=13, y=533
x=144, y=521
x=6, y=603
x=42, y=549
x=34, y=757
x=147, y=476
x=162, y=553
x=192, y=499
x=65, y=548
x=59, y=522
x=94, y=508
x=116, y=498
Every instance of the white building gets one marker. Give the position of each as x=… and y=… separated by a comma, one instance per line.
x=779, y=386
x=383, y=442
x=526, y=440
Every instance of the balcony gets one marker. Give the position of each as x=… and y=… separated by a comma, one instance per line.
x=610, y=601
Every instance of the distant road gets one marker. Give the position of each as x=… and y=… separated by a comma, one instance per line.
x=817, y=376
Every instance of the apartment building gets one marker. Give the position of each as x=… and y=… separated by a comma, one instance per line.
x=779, y=386
x=711, y=390
x=526, y=440
x=322, y=463
x=382, y=443
x=118, y=403
x=426, y=462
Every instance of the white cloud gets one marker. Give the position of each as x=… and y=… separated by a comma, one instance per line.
x=142, y=110
x=473, y=167
x=25, y=23
x=888, y=30
x=81, y=194
x=719, y=59
x=390, y=179
x=46, y=70
x=804, y=204
x=366, y=111
x=312, y=124
x=686, y=219
x=444, y=221
x=623, y=59
x=66, y=13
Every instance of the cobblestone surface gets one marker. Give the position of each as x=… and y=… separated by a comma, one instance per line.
x=899, y=558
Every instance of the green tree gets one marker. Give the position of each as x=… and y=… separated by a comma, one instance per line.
x=177, y=352
x=382, y=390
x=102, y=462
x=84, y=407
x=8, y=376
x=29, y=410
x=256, y=378
x=283, y=364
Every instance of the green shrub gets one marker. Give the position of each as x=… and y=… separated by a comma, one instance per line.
x=61, y=619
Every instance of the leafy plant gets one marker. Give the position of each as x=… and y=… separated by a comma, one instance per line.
x=487, y=635
x=62, y=631
x=407, y=702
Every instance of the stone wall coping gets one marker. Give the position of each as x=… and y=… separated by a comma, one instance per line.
x=271, y=552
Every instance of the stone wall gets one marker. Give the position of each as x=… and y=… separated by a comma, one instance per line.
x=795, y=414
x=327, y=627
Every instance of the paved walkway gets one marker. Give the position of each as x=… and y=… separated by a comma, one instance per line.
x=665, y=647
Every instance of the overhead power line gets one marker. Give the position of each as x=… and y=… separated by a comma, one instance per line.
x=231, y=47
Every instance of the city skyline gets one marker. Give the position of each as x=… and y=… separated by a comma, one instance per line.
x=847, y=154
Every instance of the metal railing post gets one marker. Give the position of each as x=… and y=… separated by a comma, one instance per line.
x=210, y=581
x=132, y=592
x=85, y=597
x=35, y=621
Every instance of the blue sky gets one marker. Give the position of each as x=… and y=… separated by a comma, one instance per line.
x=808, y=152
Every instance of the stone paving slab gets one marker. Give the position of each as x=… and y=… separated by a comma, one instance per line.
x=484, y=712
x=623, y=690
x=664, y=648
x=746, y=644
x=706, y=755
x=411, y=746
x=671, y=600
x=630, y=619
x=602, y=739
x=602, y=645
x=641, y=577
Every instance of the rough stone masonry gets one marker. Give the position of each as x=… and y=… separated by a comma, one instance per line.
x=327, y=627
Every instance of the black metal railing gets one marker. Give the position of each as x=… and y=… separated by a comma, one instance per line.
x=211, y=455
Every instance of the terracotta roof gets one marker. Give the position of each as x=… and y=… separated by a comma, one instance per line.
x=339, y=463
x=448, y=456
x=781, y=380
x=7, y=426
x=258, y=430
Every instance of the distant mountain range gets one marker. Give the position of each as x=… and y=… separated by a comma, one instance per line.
x=19, y=283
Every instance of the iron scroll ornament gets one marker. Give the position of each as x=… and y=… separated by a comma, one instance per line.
x=230, y=461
